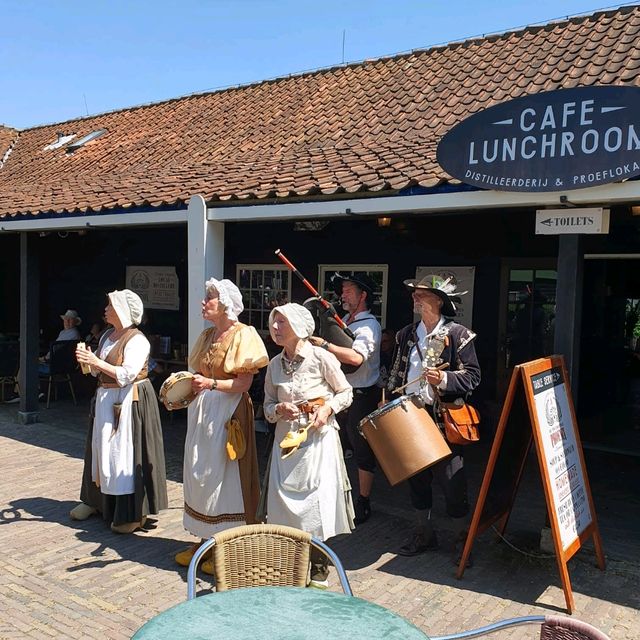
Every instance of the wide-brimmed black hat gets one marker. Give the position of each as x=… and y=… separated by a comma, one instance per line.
x=445, y=289
x=364, y=281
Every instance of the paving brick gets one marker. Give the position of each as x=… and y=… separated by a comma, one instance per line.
x=68, y=579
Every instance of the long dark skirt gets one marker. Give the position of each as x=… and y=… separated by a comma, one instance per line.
x=150, y=491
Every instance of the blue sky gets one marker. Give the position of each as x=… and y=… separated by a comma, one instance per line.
x=63, y=59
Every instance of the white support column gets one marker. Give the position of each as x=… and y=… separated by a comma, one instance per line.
x=205, y=247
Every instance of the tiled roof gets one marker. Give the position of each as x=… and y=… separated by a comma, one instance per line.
x=370, y=127
x=7, y=138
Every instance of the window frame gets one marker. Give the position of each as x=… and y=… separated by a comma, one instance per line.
x=262, y=312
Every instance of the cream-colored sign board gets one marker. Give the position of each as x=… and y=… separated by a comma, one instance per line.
x=552, y=222
x=157, y=286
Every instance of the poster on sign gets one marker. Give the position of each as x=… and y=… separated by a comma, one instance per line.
x=157, y=286
x=561, y=457
x=538, y=409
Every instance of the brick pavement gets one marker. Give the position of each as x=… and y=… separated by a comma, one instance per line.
x=64, y=579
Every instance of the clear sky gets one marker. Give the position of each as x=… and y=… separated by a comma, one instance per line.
x=63, y=59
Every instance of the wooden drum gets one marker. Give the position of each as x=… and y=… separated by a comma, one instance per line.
x=404, y=438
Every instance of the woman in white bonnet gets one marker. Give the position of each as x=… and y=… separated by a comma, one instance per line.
x=220, y=474
x=124, y=474
x=307, y=486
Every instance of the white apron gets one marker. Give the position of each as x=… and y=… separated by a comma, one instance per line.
x=112, y=466
x=211, y=481
x=305, y=489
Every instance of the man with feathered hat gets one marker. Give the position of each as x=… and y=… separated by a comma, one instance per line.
x=439, y=354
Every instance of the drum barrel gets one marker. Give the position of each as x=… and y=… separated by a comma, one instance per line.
x=404, y=438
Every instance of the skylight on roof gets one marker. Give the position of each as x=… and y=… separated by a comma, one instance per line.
x=60, y=142
x=74, y=146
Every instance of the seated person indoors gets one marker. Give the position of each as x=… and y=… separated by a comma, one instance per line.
x=70, y=321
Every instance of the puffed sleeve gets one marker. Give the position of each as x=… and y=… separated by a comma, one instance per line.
x=246, y=353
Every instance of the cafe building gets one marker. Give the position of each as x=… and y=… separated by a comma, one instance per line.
x=389, y=166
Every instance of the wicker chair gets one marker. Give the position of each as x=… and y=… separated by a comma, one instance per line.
x=551, y=628
x=260, y=555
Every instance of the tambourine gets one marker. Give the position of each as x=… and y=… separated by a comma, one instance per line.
x=176, y=391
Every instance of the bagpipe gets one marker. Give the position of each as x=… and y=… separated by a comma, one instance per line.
x=329, y=325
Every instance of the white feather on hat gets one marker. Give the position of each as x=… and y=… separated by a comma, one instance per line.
x=445, y=289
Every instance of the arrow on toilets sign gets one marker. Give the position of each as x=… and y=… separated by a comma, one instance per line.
x=552, y=222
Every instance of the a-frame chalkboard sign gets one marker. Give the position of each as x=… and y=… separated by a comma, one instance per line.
x=538, y=407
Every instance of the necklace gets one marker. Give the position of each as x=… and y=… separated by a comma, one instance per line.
x=290, y=366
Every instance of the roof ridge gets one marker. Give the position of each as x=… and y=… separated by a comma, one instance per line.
x=471, y=40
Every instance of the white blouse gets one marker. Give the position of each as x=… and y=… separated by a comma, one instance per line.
x=318, y=375
x=135, y=354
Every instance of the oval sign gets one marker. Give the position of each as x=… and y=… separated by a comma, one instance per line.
x=552, y=141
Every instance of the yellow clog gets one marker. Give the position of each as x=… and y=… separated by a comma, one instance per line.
x=294, y=438
x=207, y=567
x=183, y=558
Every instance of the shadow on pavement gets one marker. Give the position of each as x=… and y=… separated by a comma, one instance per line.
x=513, y=570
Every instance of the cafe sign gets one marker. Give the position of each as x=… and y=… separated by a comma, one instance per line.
x=552, y=141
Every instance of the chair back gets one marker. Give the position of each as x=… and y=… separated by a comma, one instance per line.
x=9, y=358
x=62, y=357
x=260, y=555
x=565, y=628
x=551, y=628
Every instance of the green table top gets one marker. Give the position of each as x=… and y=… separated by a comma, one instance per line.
x=278, y=613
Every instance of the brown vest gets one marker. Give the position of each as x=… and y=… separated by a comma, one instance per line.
x=116, y=357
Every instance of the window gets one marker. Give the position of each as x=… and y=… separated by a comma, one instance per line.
x=379, y=273
x=74, y=146
x=263, y=287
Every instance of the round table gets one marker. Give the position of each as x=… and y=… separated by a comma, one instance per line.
x=278, y=613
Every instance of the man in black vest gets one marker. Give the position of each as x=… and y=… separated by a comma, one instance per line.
x=421, y=350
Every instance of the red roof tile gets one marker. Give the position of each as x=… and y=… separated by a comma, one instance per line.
x=8, y=137
x=367, y=127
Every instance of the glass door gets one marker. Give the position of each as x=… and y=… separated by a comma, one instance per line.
x=528, y=299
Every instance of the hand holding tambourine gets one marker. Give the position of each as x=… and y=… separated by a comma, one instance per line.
x=176, y=391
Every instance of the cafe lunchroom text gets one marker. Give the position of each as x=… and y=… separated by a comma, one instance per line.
x=548, y=137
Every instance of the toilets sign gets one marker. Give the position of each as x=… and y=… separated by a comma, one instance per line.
x=585, y=221
x=552, y=141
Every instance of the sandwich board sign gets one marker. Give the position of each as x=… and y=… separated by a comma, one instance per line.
x=539, y=397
